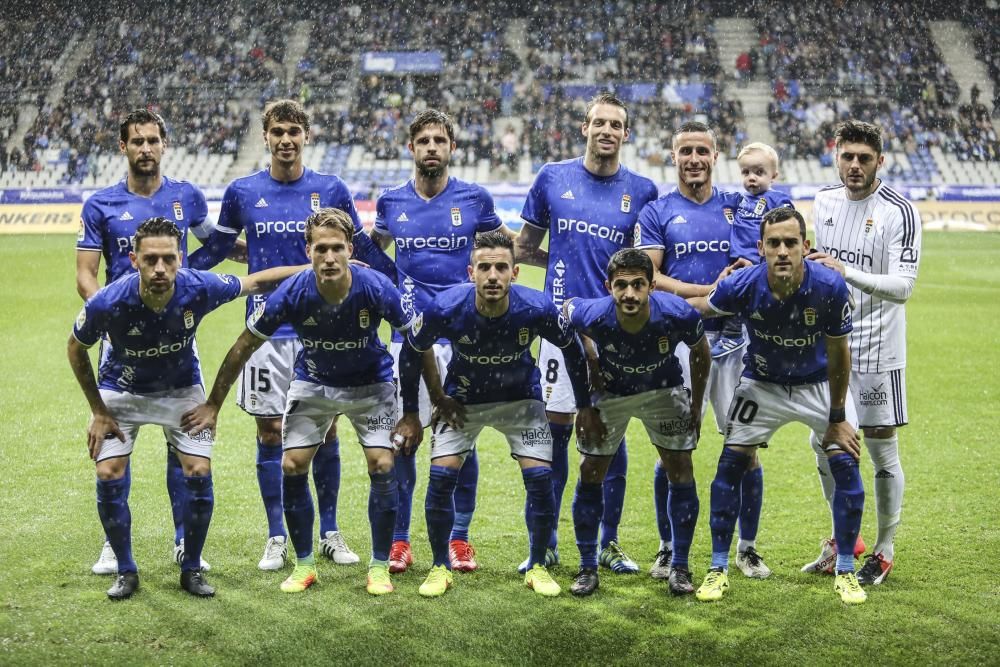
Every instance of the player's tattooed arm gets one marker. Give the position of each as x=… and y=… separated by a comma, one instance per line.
x=593, y=363
x=528, y=246
x=840, y=432
x=381, y=240
x=665, y=283
x=701, y=363
x=239, y=252
x=102, y=423
x=206, y=415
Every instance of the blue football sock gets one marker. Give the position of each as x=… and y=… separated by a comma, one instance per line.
x=112, y=507
x=177, y=492
x=326, y=477
x=299, y=513
x=661, y=498
x=560, y=473
x=540, y=511
x=198, y=506
x=848, y=506
x=439, y=509
x=588, y=505
x=465, y=496
x=382, y=501
x=614, y=496
x=269, y=481
x=751, y=501
x=683, y=508
x=405, y=469
x=725, y=503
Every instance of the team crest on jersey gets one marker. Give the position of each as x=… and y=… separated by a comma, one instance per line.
x=189, y=319
x=81, y=233
x=178, y=211
x=523, y=335
x=626, y=203
x=456, y=216
x=759, y=208
x=314, y=201
x=728, y=212
x=636, y=236
x=363, y=318
x=81, y=319
x=868, y=225
x=809, y=316
x=664, y=344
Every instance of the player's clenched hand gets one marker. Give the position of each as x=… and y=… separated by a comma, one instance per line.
x=844, y=435
x=589, y=427
x=198, y=419
x=450, y=410
x=101, y=426
x=407, y=434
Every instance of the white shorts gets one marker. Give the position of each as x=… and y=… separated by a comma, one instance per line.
x=722, y=379
x=442, y=354
x=266, y=376
x=523, y=423
x=666, y=414
x=759, y=409
x=312, y=409
x=557, y=390
x=162, y=408
x=880, y=398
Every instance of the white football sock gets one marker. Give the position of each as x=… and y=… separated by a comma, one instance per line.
x=825, y=476
x=889, y=484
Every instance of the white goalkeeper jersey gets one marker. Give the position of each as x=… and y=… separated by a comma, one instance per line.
x=879, y=234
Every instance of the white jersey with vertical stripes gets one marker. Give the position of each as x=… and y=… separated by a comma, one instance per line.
x=879, y=234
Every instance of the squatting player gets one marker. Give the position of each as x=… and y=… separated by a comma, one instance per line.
x=343, y=368
x=636, y=332
x=798, y=363
x=492, y=380
x=151, y=375
x=270, y=207
x=870, y=234
x=588, y=206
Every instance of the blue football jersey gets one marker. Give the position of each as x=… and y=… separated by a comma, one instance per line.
x=152, y=351
x=694, y=238
x=433, y=238
x=787, y=343
x=746, y=228
x=632, y=363
x=340, y=343
x=110, y=217
x=588, y=219
x=491, y=357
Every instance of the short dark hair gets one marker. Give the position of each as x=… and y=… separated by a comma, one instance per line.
x=694, y=126
x=605, y=98
x=285, y=111
x=630, y=259
x=859, y=132
x=493, y=240
x=141, y=117
x=330, y=218
x=781, y=214
x=432, y=117
x=153, y=227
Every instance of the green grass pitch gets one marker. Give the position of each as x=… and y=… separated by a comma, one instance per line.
x=941, y=605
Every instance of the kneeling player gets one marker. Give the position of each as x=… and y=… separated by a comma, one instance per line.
x=151, y=376
x=344, y=368
x=492, y=380
x=797, y=367
x=635, y=333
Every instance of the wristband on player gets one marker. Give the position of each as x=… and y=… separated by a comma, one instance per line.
x=838, y=415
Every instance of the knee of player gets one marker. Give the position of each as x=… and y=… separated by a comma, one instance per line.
x=111, y=469
x=679, y=466
x=269, y=431
x=380, y=461
x=593, y=469
x=196, y=466
x=296, y=461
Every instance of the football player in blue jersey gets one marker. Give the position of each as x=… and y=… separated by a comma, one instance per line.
x=636, y=333
x=342, y=368
x=491, y=380
x=433, y=220
x=270, y=207
x=687, y=233
x=588, y=206
x=107, y=224
x=151, y=375
x=797, y=368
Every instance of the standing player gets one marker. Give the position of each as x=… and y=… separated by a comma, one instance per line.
x=798, y=365
x=108, y=222
x=151, y=375
x=492, y=381
x=637, y=332
x=433, y=219
x=871, y=235
x=343, y=368
x=686, y=233
x=271, y=207
x=588, y=206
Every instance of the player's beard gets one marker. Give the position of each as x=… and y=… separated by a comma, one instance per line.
x=432, y=172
